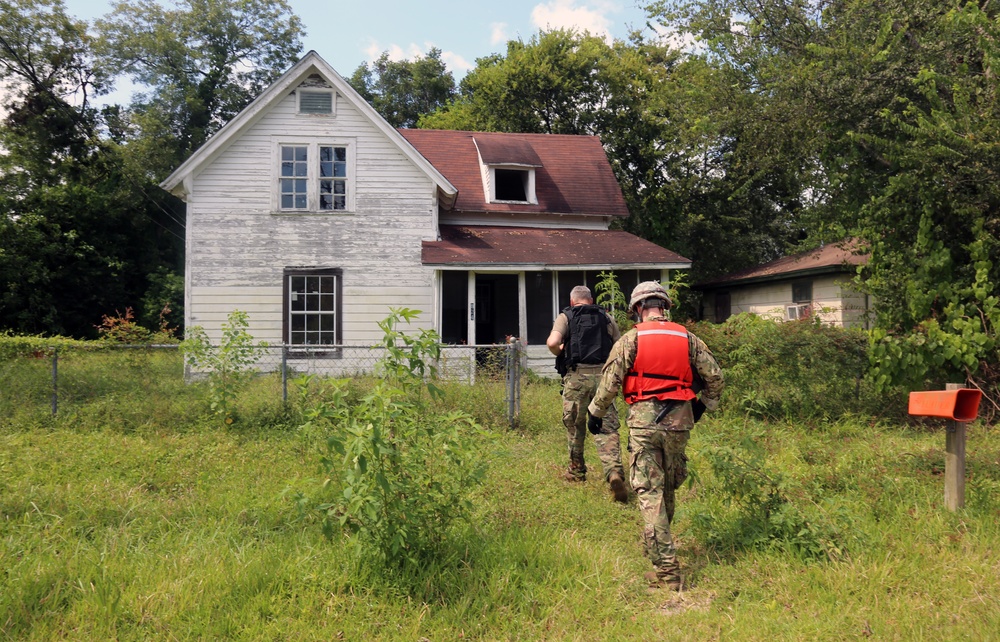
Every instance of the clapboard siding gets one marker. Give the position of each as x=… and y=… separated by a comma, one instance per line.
x=239, y=247
x=831, y=302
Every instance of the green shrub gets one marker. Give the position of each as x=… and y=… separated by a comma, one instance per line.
x=799, y=370
x=748, y=504
x=398, y=471
x=228, y=366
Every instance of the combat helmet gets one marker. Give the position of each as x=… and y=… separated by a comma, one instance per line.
x=649, y=290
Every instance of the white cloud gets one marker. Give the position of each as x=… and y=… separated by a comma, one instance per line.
x=567, y=14
x=396, y=52
x=498, y=33
x=456, y=64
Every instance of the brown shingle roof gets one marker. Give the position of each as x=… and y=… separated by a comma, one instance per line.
x=573, y=174
x=829, y=258
x=485, y=245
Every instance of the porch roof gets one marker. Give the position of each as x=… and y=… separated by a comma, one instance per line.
x=467, y=246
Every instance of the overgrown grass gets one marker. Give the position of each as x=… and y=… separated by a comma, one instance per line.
x=136, y=516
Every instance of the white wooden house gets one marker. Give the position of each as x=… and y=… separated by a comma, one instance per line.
x=813, y=284
x=313, y=215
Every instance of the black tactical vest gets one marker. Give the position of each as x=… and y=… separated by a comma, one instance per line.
x=589, y=340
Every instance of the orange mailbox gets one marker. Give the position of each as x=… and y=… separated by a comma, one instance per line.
x=960, y=405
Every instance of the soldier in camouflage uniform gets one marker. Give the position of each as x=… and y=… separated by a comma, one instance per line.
x=659, y=383
x=579, y=384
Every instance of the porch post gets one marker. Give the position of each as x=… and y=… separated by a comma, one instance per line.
x=522, y=307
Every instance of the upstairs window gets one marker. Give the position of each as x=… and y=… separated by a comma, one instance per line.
x=509, y=185
x=314, y=177
x=332, y=177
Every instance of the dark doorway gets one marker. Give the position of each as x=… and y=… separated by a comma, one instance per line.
x=496, y=308
x=538, y=301
x=723, y=309
x=455, y=307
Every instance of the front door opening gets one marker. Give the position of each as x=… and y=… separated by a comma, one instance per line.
x=497, y=314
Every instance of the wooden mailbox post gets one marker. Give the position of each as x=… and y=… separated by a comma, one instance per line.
x=959, y=405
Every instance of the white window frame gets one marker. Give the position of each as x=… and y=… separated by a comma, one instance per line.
x=312, y=146
x=315, y=90
x=797, y=312
x=529, y=188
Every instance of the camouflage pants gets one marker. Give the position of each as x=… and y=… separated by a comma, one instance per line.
x=658, y=466
x=578, y=389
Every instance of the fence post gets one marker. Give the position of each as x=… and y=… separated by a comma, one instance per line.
x=954, y=460
x=284, y=374
x=513, y=381
x=55, y=380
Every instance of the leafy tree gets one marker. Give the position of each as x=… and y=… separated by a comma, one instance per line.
x=403, y=90
x=203, y=61
x=77, y=235
x=45, y=64
x=888, y=116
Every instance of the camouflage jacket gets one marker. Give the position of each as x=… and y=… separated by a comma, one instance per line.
x=707, y=378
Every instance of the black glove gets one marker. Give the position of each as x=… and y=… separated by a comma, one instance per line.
x=594, y=424
x=698, y=408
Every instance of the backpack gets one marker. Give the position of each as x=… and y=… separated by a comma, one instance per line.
x=589, y=341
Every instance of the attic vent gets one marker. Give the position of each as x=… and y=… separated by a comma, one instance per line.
x=315, y=102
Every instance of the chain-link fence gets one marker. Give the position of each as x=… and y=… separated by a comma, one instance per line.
x=59, y=377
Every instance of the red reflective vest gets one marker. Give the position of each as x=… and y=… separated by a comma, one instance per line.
x=662, y=368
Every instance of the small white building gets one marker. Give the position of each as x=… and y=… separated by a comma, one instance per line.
x=313, y=215
x=805, y=285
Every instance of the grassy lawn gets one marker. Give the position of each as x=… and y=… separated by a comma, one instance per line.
x=136, y=518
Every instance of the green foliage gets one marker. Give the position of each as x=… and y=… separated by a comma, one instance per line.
x=77, y=233
x=402, y=91
x=933, y=228
x=13, y=345
x=611, y=298
x=229, y=365
x=399, y=472
x=751, y=508
x=135, y=495
x=163, y=303
x=202, y=60
x=408, y=359
x=879, y=121
x=802, y=369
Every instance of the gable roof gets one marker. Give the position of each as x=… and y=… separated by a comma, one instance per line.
x=178, y=182
x=572, y=173
x=827, y=259
x=482, y=245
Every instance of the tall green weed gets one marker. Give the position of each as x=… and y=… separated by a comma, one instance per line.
x=228, y=366
x=398, y=471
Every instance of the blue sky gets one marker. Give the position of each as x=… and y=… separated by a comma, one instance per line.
x=348, y=34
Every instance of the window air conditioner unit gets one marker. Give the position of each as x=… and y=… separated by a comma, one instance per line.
x=796, y=312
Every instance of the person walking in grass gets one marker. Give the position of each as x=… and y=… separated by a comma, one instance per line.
x=581, y=338
x=658, y=366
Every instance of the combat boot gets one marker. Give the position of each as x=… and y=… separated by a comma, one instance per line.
x=618, y=487
x=670, y=580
